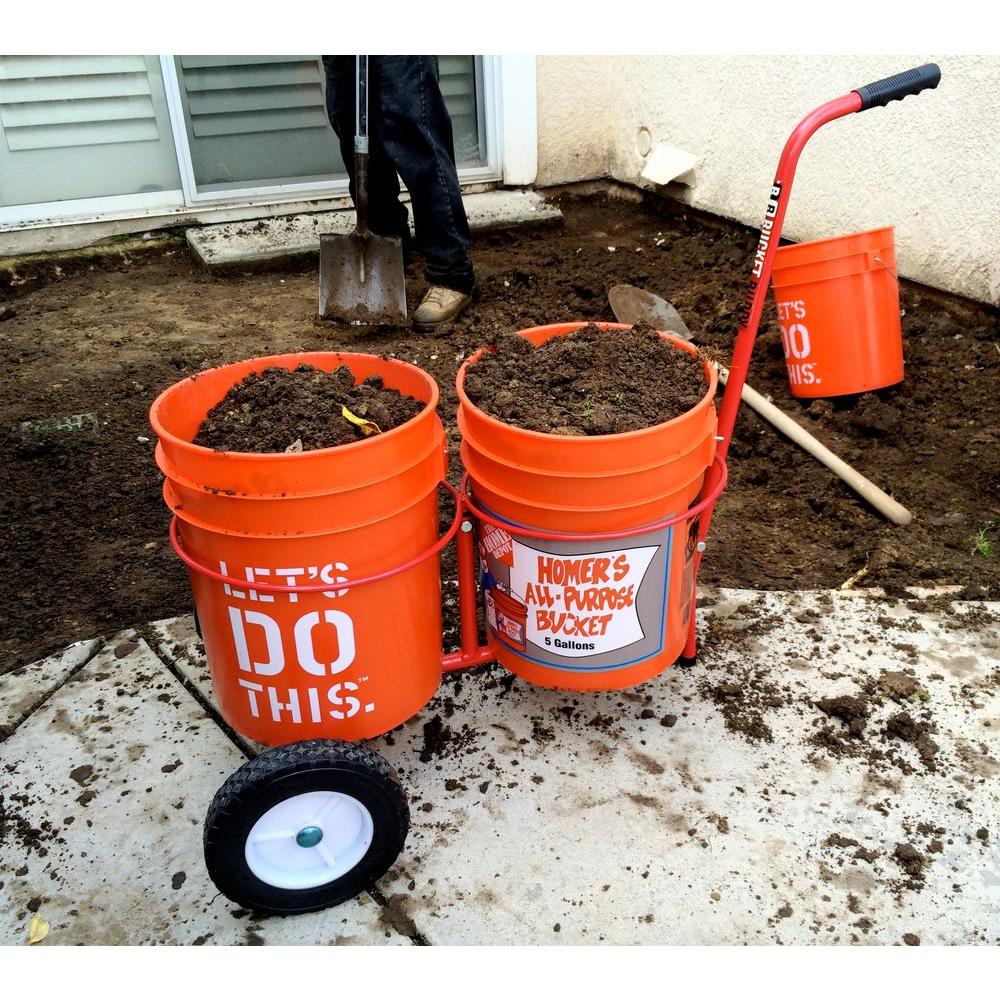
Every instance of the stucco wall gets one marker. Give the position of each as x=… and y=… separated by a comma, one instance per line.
x=927, y=165
x=575, y=134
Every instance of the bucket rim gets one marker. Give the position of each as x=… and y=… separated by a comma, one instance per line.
x=786, y=257
x=570, y=510
x=314, y=453
x=185, y=516
x=171, y=474
x=790, y=279
x=692, y=511
x=265, y=586
x=570, y=474
x=711, y=372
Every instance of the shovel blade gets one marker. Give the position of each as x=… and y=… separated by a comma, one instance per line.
x=636, y=305
x=361, y=279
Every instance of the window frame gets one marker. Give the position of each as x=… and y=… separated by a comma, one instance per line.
x=295, y=191
x=507, y=88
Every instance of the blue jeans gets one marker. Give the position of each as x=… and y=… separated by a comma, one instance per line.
x=410, y=135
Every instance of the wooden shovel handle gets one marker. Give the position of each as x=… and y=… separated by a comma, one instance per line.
x=793, y=430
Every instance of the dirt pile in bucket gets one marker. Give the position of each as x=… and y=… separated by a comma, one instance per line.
x=588, y=382
x=282, y=410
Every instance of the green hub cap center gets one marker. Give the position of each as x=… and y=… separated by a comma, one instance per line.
x=309, y=836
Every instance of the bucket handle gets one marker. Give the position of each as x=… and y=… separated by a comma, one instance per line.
x=875, y=259
x=299, y=588
x=718, y=486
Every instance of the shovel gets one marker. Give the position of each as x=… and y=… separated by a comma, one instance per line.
x=361, y=275
x=634, y=305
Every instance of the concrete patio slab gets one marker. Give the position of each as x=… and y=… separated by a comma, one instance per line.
x=24, y=689
x=267, y=240
x=105, y=789
x=741, y=800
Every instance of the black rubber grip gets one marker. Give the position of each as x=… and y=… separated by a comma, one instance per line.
x=895, y=88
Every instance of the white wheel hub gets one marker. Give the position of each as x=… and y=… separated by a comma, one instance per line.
x=309, y=839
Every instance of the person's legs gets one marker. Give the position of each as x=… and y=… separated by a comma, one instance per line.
x=416, y=135
x=387, y=216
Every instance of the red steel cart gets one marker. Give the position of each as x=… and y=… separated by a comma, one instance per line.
x=312, y=657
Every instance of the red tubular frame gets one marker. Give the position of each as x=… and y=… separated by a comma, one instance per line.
x=471, y=652
x=760, y=278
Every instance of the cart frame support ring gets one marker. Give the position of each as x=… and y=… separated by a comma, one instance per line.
x=471, y=651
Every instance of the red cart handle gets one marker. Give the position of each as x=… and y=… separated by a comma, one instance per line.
x=876, y=94
x=314, y=588
x=895, y=88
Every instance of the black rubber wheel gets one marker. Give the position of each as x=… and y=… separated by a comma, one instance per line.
x=270, y=873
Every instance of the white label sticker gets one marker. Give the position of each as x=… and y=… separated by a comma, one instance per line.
x=580, y=604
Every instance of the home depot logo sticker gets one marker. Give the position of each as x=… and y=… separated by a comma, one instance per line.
x=497, y=544
x=578, y=605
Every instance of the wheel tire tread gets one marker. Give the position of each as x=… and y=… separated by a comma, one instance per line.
x=295, y=758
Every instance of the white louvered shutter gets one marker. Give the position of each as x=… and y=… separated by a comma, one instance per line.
x=255, y=120
x=77, y=127
x=83, y=126
x=460, y=92
x=261, y=120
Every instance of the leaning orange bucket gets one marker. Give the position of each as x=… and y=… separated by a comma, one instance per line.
x=595, y=614
x=342, y=662
x=838, y=308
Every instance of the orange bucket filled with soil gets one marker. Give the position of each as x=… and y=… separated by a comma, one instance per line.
x=838, y=308
x=579, y=440
x=291, y=486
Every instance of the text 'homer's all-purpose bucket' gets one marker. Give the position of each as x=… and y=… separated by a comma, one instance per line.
x=838, y=308
x=337, y=661
x=602, y=612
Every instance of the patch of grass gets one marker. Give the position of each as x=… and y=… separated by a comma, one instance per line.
x=987, y=542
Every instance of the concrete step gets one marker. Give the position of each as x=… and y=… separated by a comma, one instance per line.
x=235, y=244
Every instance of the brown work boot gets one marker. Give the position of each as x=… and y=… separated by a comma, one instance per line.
x=438, y=306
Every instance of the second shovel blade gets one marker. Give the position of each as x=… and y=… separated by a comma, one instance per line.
x=361, y=279
x=636, y=305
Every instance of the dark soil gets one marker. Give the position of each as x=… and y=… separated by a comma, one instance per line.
x=898, y=685
x=904, y=727
x=588, y=382
x=84, y=525
x=910, y=860
x=851, y=710
x=743, y=704
x=279, y=410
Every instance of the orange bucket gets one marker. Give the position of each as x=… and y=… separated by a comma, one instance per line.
x=344, y=663
x=508, y=616
x=838, y=308
x=598, y=614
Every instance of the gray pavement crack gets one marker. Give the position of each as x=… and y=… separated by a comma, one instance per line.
x=155, y=643
x=7, y=731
